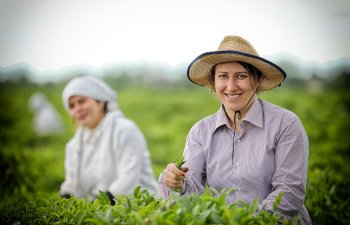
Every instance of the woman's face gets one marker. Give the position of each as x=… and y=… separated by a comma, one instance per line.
x=85, y=111
x=233, y=86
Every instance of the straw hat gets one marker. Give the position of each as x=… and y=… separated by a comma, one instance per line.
x=234, y=48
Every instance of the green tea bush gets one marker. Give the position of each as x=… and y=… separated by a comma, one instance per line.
x=31, y=167
x=139, y=208
x=28, y=163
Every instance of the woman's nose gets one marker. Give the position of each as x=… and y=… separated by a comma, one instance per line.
x=232, y=84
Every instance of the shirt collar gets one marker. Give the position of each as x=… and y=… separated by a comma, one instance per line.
x=221, y=118
x=254, y=116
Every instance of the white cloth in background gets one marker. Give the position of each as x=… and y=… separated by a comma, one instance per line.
x=46, y=119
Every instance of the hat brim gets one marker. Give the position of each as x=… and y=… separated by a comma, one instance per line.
x=199, y=70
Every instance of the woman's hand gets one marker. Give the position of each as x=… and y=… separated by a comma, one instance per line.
x=174, y=177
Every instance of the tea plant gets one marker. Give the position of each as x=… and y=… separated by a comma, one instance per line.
x=32, y=166
x=139, y=208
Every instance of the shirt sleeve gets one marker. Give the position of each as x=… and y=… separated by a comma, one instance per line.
x=291, y=159
x=131, y=146
x=195, y=177
x=69, y=186
x=195, y=161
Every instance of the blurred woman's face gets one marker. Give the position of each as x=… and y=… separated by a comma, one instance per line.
x=85, y=111
x=234, y=87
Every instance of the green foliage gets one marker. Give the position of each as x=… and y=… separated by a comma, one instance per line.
x=180, y=163
x=28, y=164
x=326, y=120
x=31, y=167
x=139, y=208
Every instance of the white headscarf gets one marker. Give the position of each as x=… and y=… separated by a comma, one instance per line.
x=92, y=87
x=36, y=101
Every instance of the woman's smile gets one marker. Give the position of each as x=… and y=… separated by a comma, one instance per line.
x=233, y=87
x=86, y=111
x=232, y=97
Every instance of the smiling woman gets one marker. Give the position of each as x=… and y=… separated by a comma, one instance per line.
x=235, y=86
x=250, y=146
x=86, y=111
x=108, y=152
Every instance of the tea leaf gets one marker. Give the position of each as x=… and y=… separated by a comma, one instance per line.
x=137, y=191
x=180, y=163
x=277, y=201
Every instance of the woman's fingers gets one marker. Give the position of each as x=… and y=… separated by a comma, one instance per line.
x=172, y=183
x=173, y=177
x=184, y=169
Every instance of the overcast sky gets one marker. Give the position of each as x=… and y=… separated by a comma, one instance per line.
x=50, y=34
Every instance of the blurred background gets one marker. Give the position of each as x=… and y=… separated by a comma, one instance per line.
x=142, y=49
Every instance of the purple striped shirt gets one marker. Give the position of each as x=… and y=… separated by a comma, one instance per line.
x=268, y=156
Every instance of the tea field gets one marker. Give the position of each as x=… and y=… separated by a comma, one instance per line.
x=31, y=167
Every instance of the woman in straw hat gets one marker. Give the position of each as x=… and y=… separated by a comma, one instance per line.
x=256, y=148
x=108, y=152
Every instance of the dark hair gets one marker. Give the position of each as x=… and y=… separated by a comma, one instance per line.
x=257, y=75
x=105, y=109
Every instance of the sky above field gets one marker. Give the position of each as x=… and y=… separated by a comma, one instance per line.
x=50, y=34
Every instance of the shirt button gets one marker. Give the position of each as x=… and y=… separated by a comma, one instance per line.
x=237, y=163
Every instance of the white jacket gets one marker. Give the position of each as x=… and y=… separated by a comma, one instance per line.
x=113, y=157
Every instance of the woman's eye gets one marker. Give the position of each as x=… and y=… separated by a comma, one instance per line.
x=222, y=76
x=242, y=76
